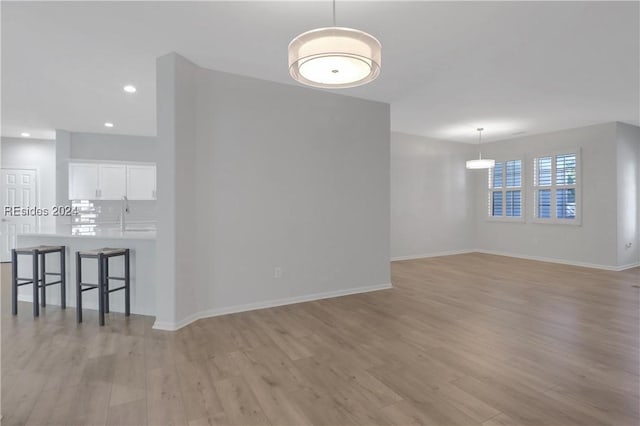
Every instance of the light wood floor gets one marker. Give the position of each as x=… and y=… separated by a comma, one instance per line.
x=461, y=340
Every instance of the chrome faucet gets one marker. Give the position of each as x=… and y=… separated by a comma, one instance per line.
x=124, y=209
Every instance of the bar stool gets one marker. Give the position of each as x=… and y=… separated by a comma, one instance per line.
x=103, y=255
x=38, y=279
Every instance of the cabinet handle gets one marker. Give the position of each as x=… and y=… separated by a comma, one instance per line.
x=153, y=194
x=97, y=193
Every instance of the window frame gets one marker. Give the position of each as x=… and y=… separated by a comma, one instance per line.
x=554, y=187
x=503, y=189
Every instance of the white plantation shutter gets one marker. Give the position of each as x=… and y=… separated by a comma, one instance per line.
x=556, y=188
x=505, y=190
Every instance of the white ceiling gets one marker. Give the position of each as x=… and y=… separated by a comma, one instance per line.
x=447, y=68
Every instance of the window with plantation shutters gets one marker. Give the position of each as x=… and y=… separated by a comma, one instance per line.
x=505, y=200
x=556, y=188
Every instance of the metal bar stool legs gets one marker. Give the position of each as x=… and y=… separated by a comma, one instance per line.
x=38, y=276
x=14, y=282
x=43, y=288
x=102, y=295
x=63, y=274
x=105, y=283
x=17, y=282
x=127, y=285
x=78, y=287
x=36, y=309
x=104, y=291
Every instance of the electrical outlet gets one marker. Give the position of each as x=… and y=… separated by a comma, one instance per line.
x=277, y=272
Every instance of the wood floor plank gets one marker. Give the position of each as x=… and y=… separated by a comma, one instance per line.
x=467, y=403
x=271, y=391
x=165, y=405
x=128, y=379
x=523, y=403
x=199, y=396
x=90, y=404
x=426, y=413
x=25, y=391
x=240, y=405
x=500, y=420
x=132, y=413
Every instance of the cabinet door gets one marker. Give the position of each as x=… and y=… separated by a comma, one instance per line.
x=83, y=181
x=141, y=182
x=113, y=181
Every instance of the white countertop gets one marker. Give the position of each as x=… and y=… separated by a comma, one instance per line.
x=135, y=232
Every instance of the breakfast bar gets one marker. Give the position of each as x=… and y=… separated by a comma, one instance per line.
x=142, y=245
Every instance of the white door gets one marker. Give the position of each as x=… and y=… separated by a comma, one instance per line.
x=18, y=190
x=83, y=181
x=112, y=181
x=141, y=182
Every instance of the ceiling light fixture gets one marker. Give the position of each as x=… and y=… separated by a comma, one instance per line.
x=334, y=57
x=25, y=134
x=107, y=124
x=129, y=88
x=480, y=163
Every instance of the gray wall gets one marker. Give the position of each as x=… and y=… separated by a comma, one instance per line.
x=432, y=197
x=35, y=154
x=179, y=293
x=272, y=175
x=98, y=146
x=595, y=240
x=167, y=108
x=628, y=168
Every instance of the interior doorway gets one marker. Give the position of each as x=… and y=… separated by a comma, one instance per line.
x=19, y=189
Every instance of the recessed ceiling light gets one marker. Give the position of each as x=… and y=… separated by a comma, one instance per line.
x=107, y=124
x=25, y=134
x=129, y=88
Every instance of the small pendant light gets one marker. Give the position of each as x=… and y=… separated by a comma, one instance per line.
x=481, y=163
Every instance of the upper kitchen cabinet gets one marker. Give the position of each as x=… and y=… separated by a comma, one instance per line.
x=109, y=181
x=83, y=181
x=141, y=182
x=112, y=181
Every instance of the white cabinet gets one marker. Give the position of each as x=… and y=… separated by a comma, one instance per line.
x=141, y=182
x=111, y=181
x=83, y=181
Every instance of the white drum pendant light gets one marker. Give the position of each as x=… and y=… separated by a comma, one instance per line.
x=334, y=57
x=481, y=163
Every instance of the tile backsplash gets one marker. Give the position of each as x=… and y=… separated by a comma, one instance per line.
x=108, y=212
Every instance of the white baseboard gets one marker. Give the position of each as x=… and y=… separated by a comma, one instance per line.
x=555, y=260
x=629, y=266
x=173, y=326
x=169, y=326
x=427, y=255
x=521, y=256
x=71, y=304
x=50, y=301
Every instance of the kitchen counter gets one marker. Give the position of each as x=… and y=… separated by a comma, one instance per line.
x=133, y=232
x=140, y=240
